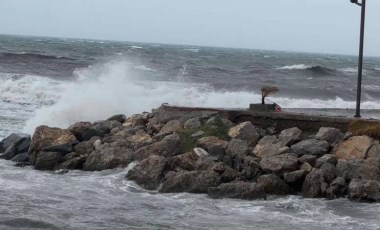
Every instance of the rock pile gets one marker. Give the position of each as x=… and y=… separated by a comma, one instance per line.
x=201, y=152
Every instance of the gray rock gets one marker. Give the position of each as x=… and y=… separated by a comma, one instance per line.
x=72, y=164
x=311, y=147
x=118, y=117
x=198, y=134
x=168, y=147
x=357, y=169
x=192, y=123
x=85, y=147
x=23, y=157
x=312, y=185
x=149, y=172
x=311, y=159
x=245, y=131
x=289, y=136
x=109, y=157
x=364, y=190
x=266, y=146
x=329, y=172
x=238, y=190
x=337, y=188
x=374, y=151
x=186, y=161
x=306, y=167
x=90, y=133
x=79, y=128
x=237, y=147
x=331, y=135
x=327, y=158
x=47, y=160
x=280, y=164
x=171, y=126
x=176, y=182
x=16, y=139
x=63, y=149
x=272, y=184
x=213, y=145
x=250, y=168
x=355, y=147
x=296, y=177
x=204, y=181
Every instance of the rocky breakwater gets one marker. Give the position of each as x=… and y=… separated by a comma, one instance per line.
x=202, y=152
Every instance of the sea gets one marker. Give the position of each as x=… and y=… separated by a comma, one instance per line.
x=59, y=81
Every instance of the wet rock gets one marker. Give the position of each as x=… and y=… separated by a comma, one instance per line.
x=72, y=164
x=14, y=144
x=118, y=117
x=245, y=131
x=63, y=149
x=296, y=177
x=280, y=164
x=79, y=128
x=289, y=136
x=327, y=158
x=227, y=174
x=357, y=169
x=272, y=184
x=329, y=172
x=312, y=185
x=354, y=148
x=45, y=136
x=364, y=190
x=213, y=145
x=171, y=126
x=149, y=172
x=331, y=135
x=23, y=157
x=204, y=181
x=337, y=188
x=108, y=157
x=176, y=182
x=186, y=161
x=311, y=147
x=237, y=190
x=192, y=123
x=47, y=160
x=250, y=168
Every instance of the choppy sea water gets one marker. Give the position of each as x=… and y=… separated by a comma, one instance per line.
x=61, y=81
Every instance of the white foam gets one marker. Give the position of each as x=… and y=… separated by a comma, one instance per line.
x=102, y=91
x=298, y=66
x=144, y=68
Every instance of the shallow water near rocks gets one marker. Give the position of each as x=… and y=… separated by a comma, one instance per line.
x=32, y=199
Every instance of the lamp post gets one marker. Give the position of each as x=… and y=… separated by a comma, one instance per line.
x=361, y=47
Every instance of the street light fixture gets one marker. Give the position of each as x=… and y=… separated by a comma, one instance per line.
x=361, y=47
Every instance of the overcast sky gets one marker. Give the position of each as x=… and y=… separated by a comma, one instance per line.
x=324, y=26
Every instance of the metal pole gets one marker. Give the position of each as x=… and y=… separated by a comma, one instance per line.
x=360, y=68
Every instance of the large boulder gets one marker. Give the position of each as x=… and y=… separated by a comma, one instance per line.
x=45, y=136
x=312, y=185
x=205, y=180
x=311, y=147
x=237, y=190
x=186, y=161
x=171, y=126
x=140, y=140
x=192, y=123
x=168, y=147
x=273, y=184
x=79, y=128
x=280, y=164
x=364, y=190
x=237, y=147
x=289, y=136
x=329, y=172
x=149, y=172
x=213, y=145
x=13, y=139
x=108, y=157
x=73, y=163
x=327, y=158
x=178, y=182
x=118, y=117
x=268, y=146
x=245, y=131
x=47, y=160
x=337, y=188
x=357, y=169
x=295, y=179
x=14, y=144
x=331, y=135
x=355, y=147
x=84, y=147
